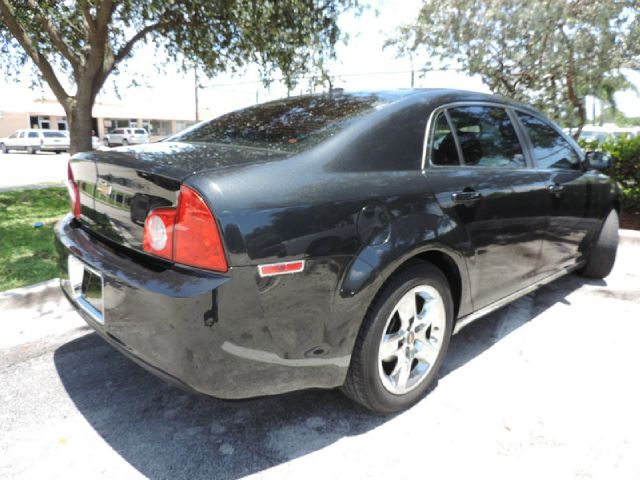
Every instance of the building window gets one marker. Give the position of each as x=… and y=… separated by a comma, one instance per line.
x=182, y=124
x=160, y=128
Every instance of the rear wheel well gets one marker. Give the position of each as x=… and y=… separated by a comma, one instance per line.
x=447, y=266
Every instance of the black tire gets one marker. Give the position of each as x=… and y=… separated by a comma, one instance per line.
x=125, y=142
x=31, y=150
x=603, y=254
x=58, y=152
x=106, y=142
x=3, y=148
x=363, y=383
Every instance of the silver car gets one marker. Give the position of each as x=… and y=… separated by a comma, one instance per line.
x=126, y=136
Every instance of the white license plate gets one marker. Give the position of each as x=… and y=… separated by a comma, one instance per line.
x=87, y=287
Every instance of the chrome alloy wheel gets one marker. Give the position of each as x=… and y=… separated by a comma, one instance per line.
x=412, y=339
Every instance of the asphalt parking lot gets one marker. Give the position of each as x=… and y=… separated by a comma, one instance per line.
x=544, y=388
x=20, y=169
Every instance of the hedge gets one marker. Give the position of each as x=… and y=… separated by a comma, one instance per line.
x=625, y=153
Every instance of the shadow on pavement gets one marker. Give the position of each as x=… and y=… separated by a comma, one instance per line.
x=165, y=432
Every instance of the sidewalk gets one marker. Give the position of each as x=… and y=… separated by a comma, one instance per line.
x=20, y=170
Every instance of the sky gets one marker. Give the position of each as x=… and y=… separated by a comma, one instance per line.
x=361, y=64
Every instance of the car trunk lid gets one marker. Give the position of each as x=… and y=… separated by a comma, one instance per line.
x=119, y=187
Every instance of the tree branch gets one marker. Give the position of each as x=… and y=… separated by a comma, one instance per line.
x=88, y=19
x=9, y=19
x=56, y=39
x=125, y=50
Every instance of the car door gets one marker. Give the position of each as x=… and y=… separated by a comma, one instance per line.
x=116, y=136
x=33, y=139
x=573, y=210
x=483, y=182
x=21, y=141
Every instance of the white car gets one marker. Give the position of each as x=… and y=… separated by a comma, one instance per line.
x=126, y=136
x=600, y=133
x=35, y=141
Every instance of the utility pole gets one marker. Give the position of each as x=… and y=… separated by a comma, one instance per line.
x=195, y=76
x=412, y=71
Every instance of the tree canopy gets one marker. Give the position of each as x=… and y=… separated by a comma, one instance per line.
x=551, y=53
x=75, y=45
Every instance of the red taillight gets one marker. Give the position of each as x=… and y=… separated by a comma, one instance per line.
x=74, y=193
x=187, y=234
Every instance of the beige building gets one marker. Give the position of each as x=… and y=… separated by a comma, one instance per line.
x=49, y=114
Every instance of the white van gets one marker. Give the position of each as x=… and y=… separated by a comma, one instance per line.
x=35, y=141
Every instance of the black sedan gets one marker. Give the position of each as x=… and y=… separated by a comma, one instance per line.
x=332, y=240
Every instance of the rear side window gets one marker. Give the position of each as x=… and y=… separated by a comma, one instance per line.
x=487, y=137
x=33, y=134
x=54, y=135
x=443, y=144
x=140, y=131
x=550, y=149
x=291, y=125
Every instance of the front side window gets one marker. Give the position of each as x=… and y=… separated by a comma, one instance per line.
x=33, y=134
x=21, y=135
x=487, y=137
x=443, y=145
x=550, y=149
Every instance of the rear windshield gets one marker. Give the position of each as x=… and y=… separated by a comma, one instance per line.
x=292, y=124
x=140, y=131
x=54, y=135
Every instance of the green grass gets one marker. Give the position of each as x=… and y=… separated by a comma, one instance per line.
x=27, y=254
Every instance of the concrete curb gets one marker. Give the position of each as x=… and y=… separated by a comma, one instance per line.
x=30, y=295
x=629, y=237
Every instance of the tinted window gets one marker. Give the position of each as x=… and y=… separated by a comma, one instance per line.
x=54, y=134
x=487, y=137
x=443, y=145
x=140, y=131
x=549, y=148
x=292, y=124
x=33, y=134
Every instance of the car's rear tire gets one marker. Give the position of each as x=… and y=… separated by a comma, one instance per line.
x=603, y=254
x=402, y=341
x=3, y=148
x=106, y=142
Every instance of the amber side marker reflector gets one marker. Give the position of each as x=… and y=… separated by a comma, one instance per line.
x=272, y=269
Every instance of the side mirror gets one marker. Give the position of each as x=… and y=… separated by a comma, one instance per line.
x=597, y=161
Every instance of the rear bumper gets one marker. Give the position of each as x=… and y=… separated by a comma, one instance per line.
x=54, y=148
x=221, y=335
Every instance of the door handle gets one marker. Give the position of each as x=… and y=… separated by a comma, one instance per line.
x=556, y=190
x=466, y=197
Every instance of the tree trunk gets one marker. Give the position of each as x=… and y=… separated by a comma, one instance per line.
x=80, y=125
